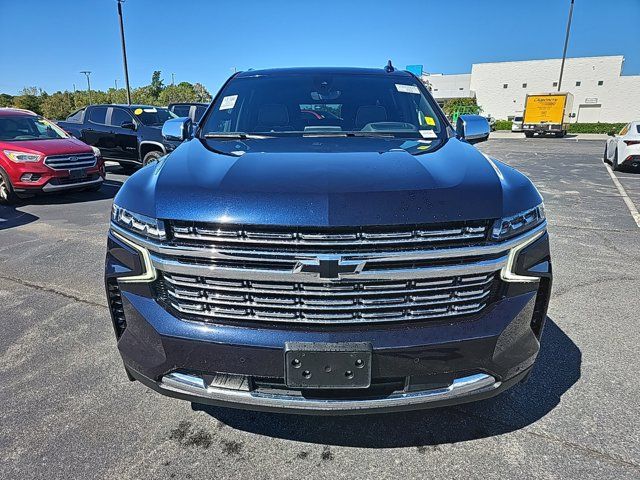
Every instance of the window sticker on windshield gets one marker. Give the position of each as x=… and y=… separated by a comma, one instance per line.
x=407, y=88
x=430, y=120
x=428, y=134
x=151, y=110
x=228, y=102
x=424, y=147
x=138, y=111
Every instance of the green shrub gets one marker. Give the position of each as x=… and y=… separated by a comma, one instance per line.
x=595, y=127
x=503, y=125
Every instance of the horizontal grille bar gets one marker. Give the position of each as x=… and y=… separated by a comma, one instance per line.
x=69, y=162
x=337, y=240
x=335, y=302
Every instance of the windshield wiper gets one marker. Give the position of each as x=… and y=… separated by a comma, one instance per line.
x=234, y=136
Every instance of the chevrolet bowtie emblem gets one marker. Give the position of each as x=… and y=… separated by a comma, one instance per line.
x=332, y=268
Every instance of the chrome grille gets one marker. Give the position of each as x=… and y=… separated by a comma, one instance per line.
x=213, y=299
x=336, y=239
x=69, y=162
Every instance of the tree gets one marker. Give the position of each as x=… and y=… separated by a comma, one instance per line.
x=468, y=105
x=58, y=106
x=183, y=92
x=29, y=98
x=6, y=100
x=156, y=87
x=202, y=94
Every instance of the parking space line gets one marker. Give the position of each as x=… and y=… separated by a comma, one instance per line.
x=632, y=208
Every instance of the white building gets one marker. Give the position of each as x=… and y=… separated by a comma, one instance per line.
x=601, y=93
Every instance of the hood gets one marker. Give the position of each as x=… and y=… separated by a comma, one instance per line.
x=57, y=146
x=320, y=184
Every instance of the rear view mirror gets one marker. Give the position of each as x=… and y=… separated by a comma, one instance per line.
x=472, y=128
x=177, y=129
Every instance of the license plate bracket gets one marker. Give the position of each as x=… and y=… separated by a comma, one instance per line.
x=78, y=173
x=328, y=365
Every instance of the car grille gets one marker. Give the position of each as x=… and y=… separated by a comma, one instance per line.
x=69, y=162
x=335, y=240
x=218, y=299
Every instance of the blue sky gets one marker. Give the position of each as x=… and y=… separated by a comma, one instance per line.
x=202, y=41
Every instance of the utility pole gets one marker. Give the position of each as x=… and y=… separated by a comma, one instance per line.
x=566, y=43
x=124, y=52
x=116, y=83
x=87, y=73
x=74, y=88
x=173, y=79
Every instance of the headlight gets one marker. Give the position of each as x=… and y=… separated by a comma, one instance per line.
x=137, y=223
x=21, y=157
x=96, y=151
x=510, y=226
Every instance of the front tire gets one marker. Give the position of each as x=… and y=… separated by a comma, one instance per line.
x=528, y=134
x=7, y=195
x=151, y=157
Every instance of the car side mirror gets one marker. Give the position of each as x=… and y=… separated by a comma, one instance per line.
x=177, y=129
x=472, y=128
x=128, y=125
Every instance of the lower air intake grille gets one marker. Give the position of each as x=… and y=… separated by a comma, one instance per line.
x=213, y=299
x=115, y=306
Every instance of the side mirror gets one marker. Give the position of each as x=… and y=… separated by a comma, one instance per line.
x=128, y=125
x=177, y=129
x=472, y=128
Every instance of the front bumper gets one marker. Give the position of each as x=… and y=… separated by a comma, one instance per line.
x=414, y=364
x=52, y=181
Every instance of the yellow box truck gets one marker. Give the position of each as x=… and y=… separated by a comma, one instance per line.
x=547, y=113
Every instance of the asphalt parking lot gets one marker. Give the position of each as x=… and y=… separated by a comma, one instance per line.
x=67, y=409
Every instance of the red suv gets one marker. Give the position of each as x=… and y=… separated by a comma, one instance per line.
x=37, y=156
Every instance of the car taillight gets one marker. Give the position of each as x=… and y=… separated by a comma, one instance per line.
x=632, y=142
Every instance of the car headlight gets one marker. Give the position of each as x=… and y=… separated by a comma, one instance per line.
x=508, y=227
x=137, y=223
x=21, y=157
x=96, y=151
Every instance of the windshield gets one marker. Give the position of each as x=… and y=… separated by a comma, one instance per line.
x=24, y=128
x=324, y=104
x=152, y=115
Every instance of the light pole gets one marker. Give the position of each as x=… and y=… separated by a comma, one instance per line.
x=124, y=52
x=566, y=43
x=173, y=79
x=87, y=73
x=116, y=83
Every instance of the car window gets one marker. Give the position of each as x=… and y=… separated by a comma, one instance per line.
x=23, y=128
x=155, y=116
x=98, y=115
x=76, y=116
x=517, y=119
x=200, y=109
x=325, y=102
x=181, y=110
x=638, y=128
x=119, y=116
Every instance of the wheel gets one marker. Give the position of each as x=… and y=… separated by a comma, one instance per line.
x=7, y=195
x=151, y=157
x=614, y=162
x=528, y=134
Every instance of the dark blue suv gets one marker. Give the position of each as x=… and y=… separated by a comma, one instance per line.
x=326, y=242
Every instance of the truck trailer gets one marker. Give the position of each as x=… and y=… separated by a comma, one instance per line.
x=547, y=113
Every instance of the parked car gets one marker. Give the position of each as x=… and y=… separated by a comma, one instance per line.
x=492, y=123
x=193, y=110
x=277, y=262
x=516, y=123
x=128, y=134
x=623, y=149
x=37, y=157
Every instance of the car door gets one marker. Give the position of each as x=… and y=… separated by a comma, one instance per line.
x=125, y=139
x=96, y=132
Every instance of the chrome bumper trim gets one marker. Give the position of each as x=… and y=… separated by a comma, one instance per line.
x=57, y=188
x=195, y=386
x=246, y=255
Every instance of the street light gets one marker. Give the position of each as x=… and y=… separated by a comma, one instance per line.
x=566, y=43
x=124, y=52
x=87, y=73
